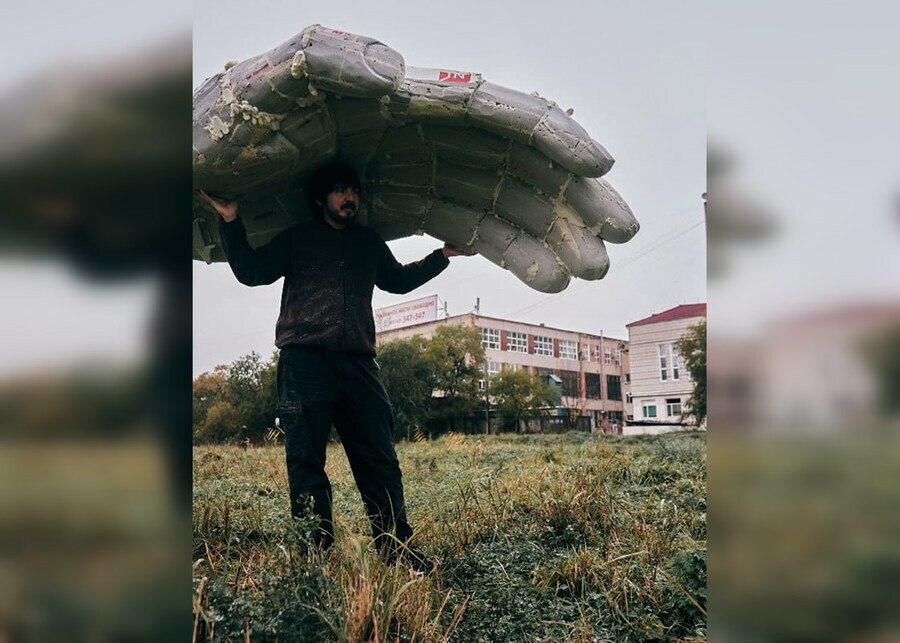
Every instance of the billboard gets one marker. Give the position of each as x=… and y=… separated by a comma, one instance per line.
x=407, y=313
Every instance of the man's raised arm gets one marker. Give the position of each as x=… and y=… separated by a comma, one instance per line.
x=252, y=267
x=396, y=278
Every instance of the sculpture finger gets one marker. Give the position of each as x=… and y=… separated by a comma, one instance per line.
x=237, y=112
x=533, y=120
x=499, y=242
x=453, y=224
x=520, y=253
x=296, y=71
x=582, y=252
x=469, y=166
x=348, y=64
x=524, y=118
x=448, y=199
x=396, y=213
x=556, y=224
x=551, y=221
x=407, y=156
x=597, y=203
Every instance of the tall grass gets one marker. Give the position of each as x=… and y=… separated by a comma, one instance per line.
x=549, y=537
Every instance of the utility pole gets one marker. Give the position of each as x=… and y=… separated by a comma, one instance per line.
x=582, y=385
x=602, y=381
x=487, y=401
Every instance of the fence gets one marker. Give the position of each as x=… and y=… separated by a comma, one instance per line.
x=543, y=424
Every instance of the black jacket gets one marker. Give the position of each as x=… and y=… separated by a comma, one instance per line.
x=329, y=278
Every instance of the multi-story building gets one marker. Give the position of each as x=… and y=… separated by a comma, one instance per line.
x=593, y=369
x=660, y=387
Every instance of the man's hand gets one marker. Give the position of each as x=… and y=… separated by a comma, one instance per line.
x=226, y=209
x=456, y=251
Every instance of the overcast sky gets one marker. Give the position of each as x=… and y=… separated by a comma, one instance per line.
x=635, y=74
x=803, y=95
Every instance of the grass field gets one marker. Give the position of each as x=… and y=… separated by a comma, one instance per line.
x=569, y=537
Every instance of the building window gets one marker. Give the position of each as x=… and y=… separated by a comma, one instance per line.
x=592, y=386
x=490, y=338
x=568, y=349
x=673, y=407
x=517, y=342
x=569, y=383
x=585, y=353
x=618, y=357
x=596, y=351
x=607, y=356
x=668, y=355
x=491, y=369
x=613, y=387
x=628, y=378
x=628, y=398
x=543, y=346
x=649, y=409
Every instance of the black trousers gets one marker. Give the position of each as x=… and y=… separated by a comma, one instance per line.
x=318, y=388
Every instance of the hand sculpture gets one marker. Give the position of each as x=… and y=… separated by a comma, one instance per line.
x=467, y=162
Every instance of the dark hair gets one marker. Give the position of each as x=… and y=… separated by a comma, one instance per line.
x=327, y=177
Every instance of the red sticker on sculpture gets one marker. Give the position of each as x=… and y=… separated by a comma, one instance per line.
x=454, y=77
x=264, y=67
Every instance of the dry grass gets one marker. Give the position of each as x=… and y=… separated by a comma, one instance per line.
x=570, y=537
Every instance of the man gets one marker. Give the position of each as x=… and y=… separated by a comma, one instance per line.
x=327, y=373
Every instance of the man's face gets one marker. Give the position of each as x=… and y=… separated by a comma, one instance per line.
x=342, y=203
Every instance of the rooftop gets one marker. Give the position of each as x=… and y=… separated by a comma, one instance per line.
x=684, y=311
x=536, y=326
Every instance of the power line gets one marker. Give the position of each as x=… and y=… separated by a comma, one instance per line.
x=631, y=259
x=627, y=261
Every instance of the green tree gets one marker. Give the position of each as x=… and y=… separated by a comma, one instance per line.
x=221, y=424
x=455, y=353
x=208, y=390
x=251, y=390
x=409, y=379
x=692, y=348
x=519, y=395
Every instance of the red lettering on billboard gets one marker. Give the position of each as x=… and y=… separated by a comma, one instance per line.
x=406, y=314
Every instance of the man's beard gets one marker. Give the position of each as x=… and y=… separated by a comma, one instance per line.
x=345, y=214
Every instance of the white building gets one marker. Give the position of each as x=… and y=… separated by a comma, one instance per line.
x=660, y=387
